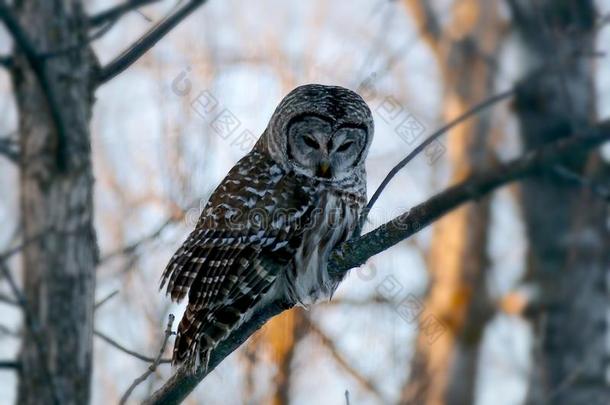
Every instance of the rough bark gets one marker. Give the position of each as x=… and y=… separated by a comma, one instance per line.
x=56, y=185
x=444, y=371
x=567, y=227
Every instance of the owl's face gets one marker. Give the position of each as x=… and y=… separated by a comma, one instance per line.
x=320, y=131
x=317, y=148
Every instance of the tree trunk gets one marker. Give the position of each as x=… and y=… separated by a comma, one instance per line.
x=282, y=335
x=444, y=369
x=567, y=227
x=56, y=208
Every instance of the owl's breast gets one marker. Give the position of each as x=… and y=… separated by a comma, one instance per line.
x=331, y=222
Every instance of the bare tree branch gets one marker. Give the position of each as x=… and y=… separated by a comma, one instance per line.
x=6, y=331
x=8, y=300
x=142, y=45
x=9, y=148
x=13, y=251
x=33, y=328
x=6, y=273
x=122, y=348
x=154, y=365
x=116, y=12
x=105, y=300
x=473, y=111
x=10, y=364
x=25, y=44
x=356, y=251
x=6, y=61
x=340, y=359
x=128, y=249
x=79, y=45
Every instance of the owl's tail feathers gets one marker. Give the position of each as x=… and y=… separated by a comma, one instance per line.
x=188, y=347
x=200, y=331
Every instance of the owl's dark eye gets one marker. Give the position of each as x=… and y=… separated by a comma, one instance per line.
x=345, y=146
x=309, y=141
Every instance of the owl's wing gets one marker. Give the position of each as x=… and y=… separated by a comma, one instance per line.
x=247, y=214
x=220, y=265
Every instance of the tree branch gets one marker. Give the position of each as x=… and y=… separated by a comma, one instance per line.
x=5, y=331
x=33, y=327
x=6, y=273
x=9, y=148
x=340, y=359
x=8, y=300
x=356, y=251
x=132, y=247
x=77, y=46
x=473, y=111
x=142, y=45
x=122, y=348
x=13, y=251
x=116, y=12
x=154, y=365
x=6, y=61
x=10, y=364
x=106, y=20
x=105, y=300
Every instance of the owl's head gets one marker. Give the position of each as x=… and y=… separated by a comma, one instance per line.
x=320, y=131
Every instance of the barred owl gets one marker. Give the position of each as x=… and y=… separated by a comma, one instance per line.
x=267, y=231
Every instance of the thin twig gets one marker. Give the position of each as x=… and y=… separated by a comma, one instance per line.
x=10, y=149
x=154, y=365
x=6, y=61
x=105, y=299
x=473, y=111
x=81, y=44
x=8, y=300
x=6, y=255
x=342, y=361
x=142, y=45
x=128, y=249
x=25, y=44
x=11, y=283
x=4, y=330
x=10, y=364
x=34, y=329
x=116, y=12
x=122, y=348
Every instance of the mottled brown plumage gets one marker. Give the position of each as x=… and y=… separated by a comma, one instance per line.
x=292, y=199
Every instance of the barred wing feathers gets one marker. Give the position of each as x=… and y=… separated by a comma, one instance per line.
x=258, y=212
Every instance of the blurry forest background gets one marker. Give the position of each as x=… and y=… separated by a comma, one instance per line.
x=504, y=301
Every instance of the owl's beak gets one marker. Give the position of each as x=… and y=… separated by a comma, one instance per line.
x=323, y=169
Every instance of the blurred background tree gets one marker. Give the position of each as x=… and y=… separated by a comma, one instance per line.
x=107, y=157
